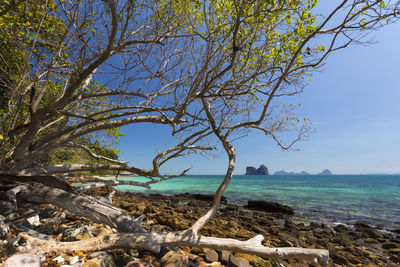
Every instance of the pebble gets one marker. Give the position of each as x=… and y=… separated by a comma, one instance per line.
x=59, y=259
x=74, y=260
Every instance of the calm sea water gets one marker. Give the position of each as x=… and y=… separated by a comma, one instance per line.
x=330, y=199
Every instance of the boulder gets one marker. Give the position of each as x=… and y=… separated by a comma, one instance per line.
x=269, y=206
x=23, y=260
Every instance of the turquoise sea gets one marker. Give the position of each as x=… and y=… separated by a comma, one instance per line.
x=330, y=199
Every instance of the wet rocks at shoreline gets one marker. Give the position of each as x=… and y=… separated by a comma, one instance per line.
x=268, y=206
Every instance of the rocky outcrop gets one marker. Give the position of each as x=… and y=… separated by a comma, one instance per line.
x=269, y=206
x=324, y=172
x=262, y=170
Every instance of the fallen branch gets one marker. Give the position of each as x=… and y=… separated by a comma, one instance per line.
x=112, y=183
x=81, y=205
x=185, y=238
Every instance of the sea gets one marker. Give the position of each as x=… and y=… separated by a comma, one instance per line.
x=330, y=199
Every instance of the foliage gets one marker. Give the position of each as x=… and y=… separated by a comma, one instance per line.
x=73, y=71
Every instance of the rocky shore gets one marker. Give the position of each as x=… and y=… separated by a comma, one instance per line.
x=359, y=245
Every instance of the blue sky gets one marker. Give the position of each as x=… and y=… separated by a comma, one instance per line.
x=354, y=107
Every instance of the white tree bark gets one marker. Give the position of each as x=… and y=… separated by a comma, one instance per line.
x=185, y=238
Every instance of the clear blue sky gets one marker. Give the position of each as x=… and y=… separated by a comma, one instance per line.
x=354, y=107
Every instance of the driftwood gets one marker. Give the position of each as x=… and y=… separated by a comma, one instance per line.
x=184, y=238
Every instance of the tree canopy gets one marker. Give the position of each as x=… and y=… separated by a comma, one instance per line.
x=78, y=70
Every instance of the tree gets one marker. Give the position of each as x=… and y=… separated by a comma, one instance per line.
x=212, y=71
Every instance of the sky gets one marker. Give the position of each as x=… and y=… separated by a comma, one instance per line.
x=354, y=107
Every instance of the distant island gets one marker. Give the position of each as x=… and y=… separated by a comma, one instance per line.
x=262, y=170
x=324, y=172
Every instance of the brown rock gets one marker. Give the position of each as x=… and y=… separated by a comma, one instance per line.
x=340, y=258
x=224, y=256
x=210, y=255
x=254, y=260
x=92, y=263
x=371, y=241
x=100, y=229
x=174, y=259
x=238, y=262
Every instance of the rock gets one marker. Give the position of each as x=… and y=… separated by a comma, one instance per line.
x=341, y=228
x=394, y=259
x=138, y=263
x=254, y=260
x=100, y=229
x=174, y=259
x=59, y=259
x=73, y=260
x=92, y=263
x=4, y=228
x=389, y=245
x=316, y=225
x=395, y=251
x=339, y=258
x=32, y=222
x=6, y=207
x=22, y=260
x=104, y=259
x=205, y=197
x=224, y=256
x=262, y=170
x=233, y=224
x=210, y=255
x=371, y=240
x=373, y=233
x=269, y=206
x=238, y=262
x=76, y=232
x=288, y=223
x=265, y=221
